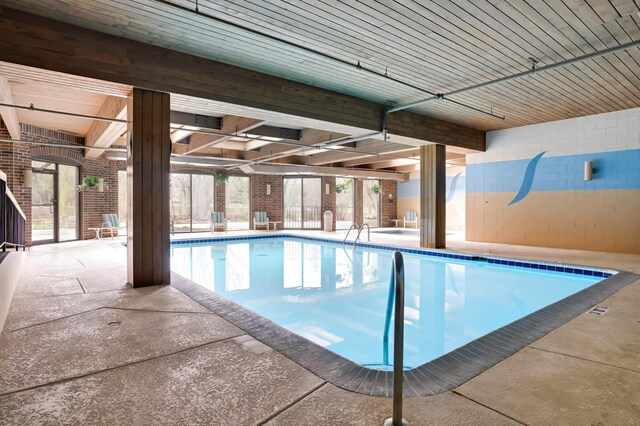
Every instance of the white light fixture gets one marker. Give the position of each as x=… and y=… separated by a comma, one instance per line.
x=326, y=189
x=390, y=197
x=27, y=175
x=100, y=185
x=588, y=170
x=268, y=189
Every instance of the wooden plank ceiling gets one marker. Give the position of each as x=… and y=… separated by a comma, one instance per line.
x=437, y=45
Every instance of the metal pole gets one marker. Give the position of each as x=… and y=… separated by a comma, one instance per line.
x=398, y=342
x=518, y=75
x=70, y=114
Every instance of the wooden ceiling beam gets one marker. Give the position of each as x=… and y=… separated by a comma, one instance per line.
x=36, y=41
x=231, y=124
x=103, y=134
x=9, y=115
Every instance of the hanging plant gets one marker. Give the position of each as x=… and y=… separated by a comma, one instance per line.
x=221, y=178
x=88, y=182
x=375, y=189
x=341, y=187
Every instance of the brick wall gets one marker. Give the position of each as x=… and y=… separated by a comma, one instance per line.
x=388, y=210
x=93, y=203
x=359, y=201
x=14, y=159
x=329, y=201
x=261, y=202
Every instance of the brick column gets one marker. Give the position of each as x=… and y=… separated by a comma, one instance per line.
x=388, y=210
x=359, y=205
x=261, y=202
x=328, y=200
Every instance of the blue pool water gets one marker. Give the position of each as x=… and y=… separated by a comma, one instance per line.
x=336, y=296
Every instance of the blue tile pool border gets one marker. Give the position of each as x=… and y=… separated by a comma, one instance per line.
x=442, y=374
x=518, y=263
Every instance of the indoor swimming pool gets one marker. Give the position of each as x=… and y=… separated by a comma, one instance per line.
x=335, y=295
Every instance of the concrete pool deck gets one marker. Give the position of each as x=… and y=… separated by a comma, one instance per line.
x=81, y=347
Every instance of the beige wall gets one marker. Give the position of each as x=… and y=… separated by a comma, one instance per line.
x=605, y=220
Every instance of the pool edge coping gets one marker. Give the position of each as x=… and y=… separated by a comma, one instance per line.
x=440, y=375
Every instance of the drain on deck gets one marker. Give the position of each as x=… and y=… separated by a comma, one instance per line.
x=599, y=310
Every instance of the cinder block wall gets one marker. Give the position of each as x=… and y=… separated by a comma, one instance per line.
x=529, y=188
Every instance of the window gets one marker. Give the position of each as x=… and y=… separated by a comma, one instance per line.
x=371, y=202
x=345, y=201
x=302, y=198
x=192, y=201
x=237, y=202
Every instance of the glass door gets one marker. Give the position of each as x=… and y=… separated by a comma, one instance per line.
x=43, y=207
x=55, y=202
x=371, y=203
x=345, y=201
x=237, y=201
x=68, y=202
x=302, y=198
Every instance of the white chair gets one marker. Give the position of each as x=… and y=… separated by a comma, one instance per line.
x=260, y=219
x=410, y=216
x=218, y=221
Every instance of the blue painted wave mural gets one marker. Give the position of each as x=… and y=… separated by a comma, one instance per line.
x=527, y=181
x=452, y=188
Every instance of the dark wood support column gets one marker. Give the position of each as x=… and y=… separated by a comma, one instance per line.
x=148, y=183
x=432, y=196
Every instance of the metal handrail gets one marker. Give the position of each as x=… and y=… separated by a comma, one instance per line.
x=360, y=230
x=17, y=246
x=353, y=226
x=396, y=291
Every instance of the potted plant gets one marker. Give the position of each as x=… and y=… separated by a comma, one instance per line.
x=88, y=182
x=375, y=189
x=221, y=178
x=341, y=187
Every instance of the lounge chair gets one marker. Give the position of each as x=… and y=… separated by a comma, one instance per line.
x=410, y=216
x=260, y=219
x=111, y=223
x=218, y=221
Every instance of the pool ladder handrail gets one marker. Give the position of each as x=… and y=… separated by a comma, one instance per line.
x=396, y=291
x=359, y=228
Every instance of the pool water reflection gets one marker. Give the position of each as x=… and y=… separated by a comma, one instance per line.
x=336, y=296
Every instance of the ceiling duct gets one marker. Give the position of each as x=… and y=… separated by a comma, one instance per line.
x=293, y=169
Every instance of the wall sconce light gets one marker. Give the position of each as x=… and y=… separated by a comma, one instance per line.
x=27, y=175
x=327, y=189
x=588, y=170
x=268, y=189
x=100, y=185
x=390, y=197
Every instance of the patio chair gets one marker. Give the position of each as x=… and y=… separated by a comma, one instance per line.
x=218, y=221
x=111, y=223
x=410, y=216
x=260, y=219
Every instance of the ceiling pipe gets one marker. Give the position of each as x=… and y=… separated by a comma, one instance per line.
x=357, y=65
x=534, y=69
x=63, y=146
x=70, y=114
